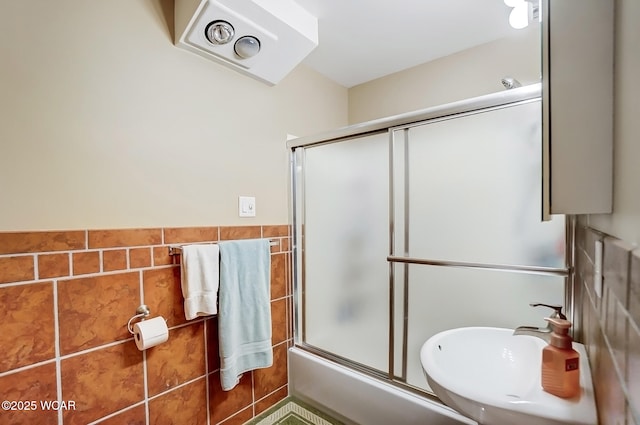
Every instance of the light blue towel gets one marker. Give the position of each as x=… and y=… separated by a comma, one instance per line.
x=244, y=310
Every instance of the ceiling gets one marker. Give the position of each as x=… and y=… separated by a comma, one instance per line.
x=361, y=40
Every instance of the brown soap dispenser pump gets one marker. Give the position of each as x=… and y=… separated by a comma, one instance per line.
x=560, y=362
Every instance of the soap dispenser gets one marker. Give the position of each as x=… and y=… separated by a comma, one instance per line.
x=560, y=362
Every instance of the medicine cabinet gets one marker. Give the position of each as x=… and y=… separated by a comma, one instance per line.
x=577, y=106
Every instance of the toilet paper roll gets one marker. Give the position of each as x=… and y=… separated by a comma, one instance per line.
x=149, y=333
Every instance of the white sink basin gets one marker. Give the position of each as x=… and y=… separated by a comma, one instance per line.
x=493, y=377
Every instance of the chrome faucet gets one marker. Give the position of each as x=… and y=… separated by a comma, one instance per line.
x=544, y=333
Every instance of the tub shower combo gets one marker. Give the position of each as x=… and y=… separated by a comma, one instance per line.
x=410, y=225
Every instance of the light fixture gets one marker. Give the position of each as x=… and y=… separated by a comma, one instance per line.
x=219, y=32
x=282, y=34
x=519, y=16
x=523, y=11
x=513, y=3
x=247, y=47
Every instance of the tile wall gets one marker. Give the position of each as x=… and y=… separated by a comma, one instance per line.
x=611, y=324
x=65, y=299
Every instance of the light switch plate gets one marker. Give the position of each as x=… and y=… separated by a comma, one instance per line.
x=246, y=206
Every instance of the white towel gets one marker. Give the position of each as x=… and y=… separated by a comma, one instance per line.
x=200, y=269
x=244, y=320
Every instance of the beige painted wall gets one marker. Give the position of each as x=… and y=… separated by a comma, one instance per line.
x=106, y=124
x=624, y=223
x=466, y=74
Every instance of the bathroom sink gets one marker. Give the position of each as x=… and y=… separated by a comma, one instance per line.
x=493, y=377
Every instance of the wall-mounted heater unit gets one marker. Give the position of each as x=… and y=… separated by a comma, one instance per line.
x=264, y=39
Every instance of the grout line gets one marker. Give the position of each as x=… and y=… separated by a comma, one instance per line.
x=116, y=413
x=272, y=393
x=99, y=347
x=141, y=283
x=253, y=393
x=145, y=378
x=190, y=322
x=21, y=254
x=22, y=283
x=206, y=370
x=177, y=387
x=36, y=269
x=86, y=275
x=56, y=343
x=25, y=368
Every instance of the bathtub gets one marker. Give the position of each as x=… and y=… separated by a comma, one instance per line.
x=356, y=398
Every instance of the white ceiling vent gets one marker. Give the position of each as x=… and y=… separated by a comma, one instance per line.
x=264, y=39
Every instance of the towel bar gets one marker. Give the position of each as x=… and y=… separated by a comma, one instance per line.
x=177, y=250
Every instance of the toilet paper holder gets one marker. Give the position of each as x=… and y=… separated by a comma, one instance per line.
x=141, y=313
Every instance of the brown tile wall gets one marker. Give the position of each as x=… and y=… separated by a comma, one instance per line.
x=65, y=299
x=611, y=324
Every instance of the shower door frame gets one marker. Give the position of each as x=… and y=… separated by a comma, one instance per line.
x=390, y=125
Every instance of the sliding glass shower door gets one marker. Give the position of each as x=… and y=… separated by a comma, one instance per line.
x=346, y=192
x=423, y=227
x=467, y=203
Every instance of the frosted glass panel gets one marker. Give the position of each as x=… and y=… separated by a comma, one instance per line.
x=442, y=298
x=475, y=190
x=346, y=234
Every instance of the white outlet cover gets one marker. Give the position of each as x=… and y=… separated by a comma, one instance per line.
x=246, y=206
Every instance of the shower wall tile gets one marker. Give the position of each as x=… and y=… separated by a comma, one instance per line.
x=278, y=276
x=98, y=278
x=97, y=387
x=615, y=329
x=32, y=242
x=36, y=384
x=53, y=265
x=616, y=260
x=239, y=418
x=211, y=339
x=610, y=327
x=240, y=232
x=178, y=235
x=275, y=231
x=27, y=329
x=275, y=247
x=139, y=258
x=279, y=320
x=609, y=393
x=97, y=303
x=269, y=379
x=87, y=262
x=633, y=368
x=114, y=259
x=163, y=294
x=14, y=269
x=185, y=405
x=177, y=361
x=161, y=256
x=124, y=237
x=270, y=400
x=134, y=416
x=223, y=404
